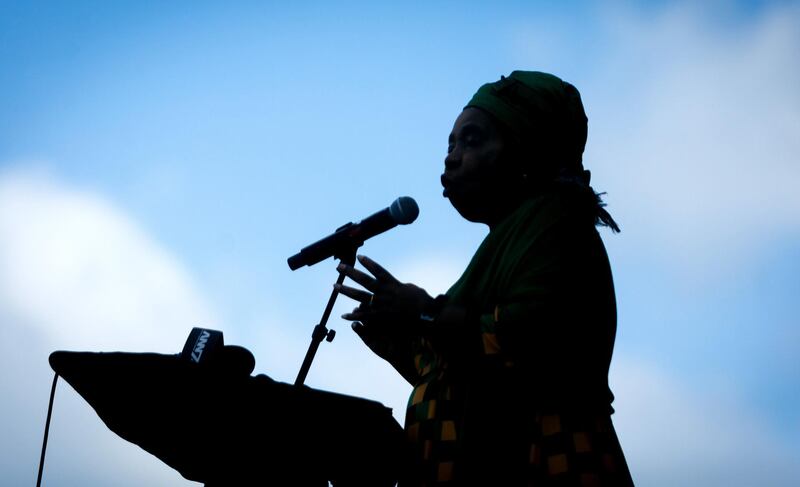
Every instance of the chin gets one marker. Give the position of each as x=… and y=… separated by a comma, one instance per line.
x=469, y=212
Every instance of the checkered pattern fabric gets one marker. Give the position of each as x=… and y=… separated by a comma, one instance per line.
x=563, y=450
x=575, y=451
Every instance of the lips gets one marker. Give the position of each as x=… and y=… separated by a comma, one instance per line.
x=447, y=184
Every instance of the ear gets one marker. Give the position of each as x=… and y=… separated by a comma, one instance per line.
x=511, y=161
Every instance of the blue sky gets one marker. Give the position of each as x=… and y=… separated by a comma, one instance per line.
x=158, y=164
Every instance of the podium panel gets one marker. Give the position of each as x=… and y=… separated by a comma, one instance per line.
x=215, y=423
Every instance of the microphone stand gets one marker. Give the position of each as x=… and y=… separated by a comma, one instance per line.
x=320, y=331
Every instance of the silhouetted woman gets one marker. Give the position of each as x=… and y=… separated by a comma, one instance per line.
x=510, y=367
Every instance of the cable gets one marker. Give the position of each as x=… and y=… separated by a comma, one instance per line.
x=47, y=429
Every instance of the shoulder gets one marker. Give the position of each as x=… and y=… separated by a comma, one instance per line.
x=559, y=232
x=569, y=202
x=557, y=212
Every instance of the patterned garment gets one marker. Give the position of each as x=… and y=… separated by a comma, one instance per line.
x=570, y=451
x=518, y=396
x=563, y=449
x=431, y=419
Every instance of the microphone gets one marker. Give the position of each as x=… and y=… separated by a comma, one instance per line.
x=350, y=236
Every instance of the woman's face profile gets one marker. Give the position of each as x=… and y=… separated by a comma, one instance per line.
x=473, y=179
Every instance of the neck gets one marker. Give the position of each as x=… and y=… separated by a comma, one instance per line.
x=503, y=210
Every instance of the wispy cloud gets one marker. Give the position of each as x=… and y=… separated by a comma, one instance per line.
x=677, y=435
x=78, y=274
x=697, y=129
x=85, y=274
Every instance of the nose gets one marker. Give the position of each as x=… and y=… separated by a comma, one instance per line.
x=452, y=160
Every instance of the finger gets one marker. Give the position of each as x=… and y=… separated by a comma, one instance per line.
x=353, y=293
x=353, y=316
x=357, y=313
x=362, y=315
x=356, y=275
x=376, y=270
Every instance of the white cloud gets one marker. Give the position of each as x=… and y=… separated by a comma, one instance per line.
x=697, y=132
x=676, y=435
x=77, y=274
x=87, y=276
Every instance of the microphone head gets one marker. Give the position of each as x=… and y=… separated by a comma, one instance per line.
x=404, y=210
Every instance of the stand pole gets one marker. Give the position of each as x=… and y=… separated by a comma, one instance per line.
x=320, y=331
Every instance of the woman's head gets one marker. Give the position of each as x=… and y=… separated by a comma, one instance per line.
x=543, y=116
x=515, y=137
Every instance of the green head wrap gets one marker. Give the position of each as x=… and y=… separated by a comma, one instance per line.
x=544, y=114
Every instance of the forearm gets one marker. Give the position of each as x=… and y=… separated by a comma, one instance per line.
x=454, y=330
x=405, y=367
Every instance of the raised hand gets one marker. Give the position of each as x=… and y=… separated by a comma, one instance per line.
x=385, y=302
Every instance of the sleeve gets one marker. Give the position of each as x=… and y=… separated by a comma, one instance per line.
x=397, y=349
x=403, y=361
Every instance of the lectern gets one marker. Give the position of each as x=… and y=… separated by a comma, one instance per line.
x=215, y=423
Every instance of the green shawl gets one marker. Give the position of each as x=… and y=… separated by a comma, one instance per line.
x=541, y=287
